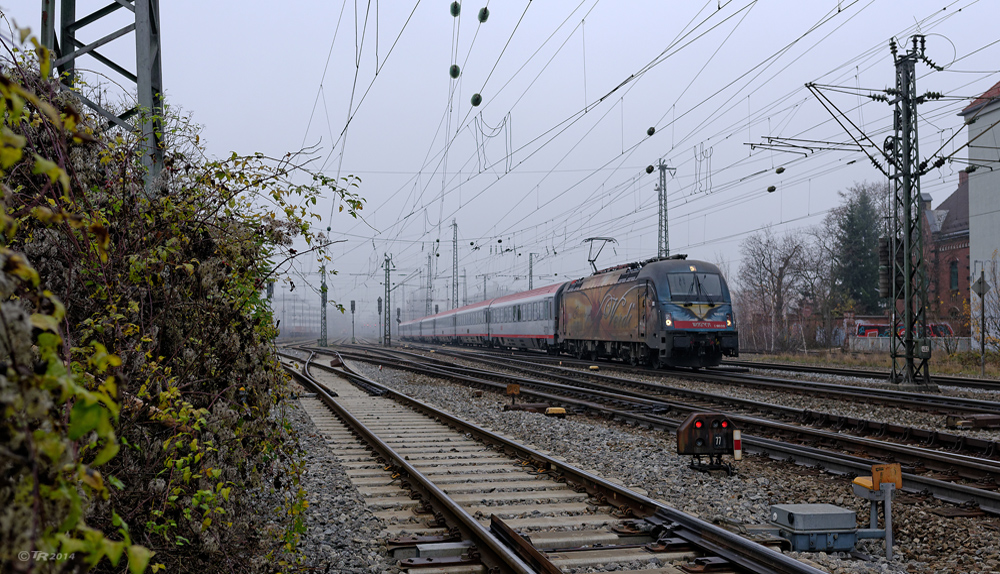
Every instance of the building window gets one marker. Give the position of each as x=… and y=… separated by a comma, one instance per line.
x=954, y=275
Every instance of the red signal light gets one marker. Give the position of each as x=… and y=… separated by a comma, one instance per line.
x=725, y=424
x=697, y=424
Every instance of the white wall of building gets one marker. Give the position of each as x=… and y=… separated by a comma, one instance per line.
x=984, y=183
x=984, y=199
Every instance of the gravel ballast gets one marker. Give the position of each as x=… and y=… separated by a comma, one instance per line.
x=924, y=541
x=342, y=534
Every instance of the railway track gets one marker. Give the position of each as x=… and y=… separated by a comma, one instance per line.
x=956, y=478
x=957, y=407
x=931, y=403
x=940, y=380
x=460, y=495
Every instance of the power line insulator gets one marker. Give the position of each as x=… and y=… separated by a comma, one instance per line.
x=649, y=169
x=771, y=188
x=780, y=170
x=454, y=71
x=650, y=131
x=456, y=9
x=484, y=13
x=476, y=99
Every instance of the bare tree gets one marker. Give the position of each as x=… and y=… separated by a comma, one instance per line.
x=818, y=278
x=769, y=275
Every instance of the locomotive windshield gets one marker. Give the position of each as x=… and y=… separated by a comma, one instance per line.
x=695, y=287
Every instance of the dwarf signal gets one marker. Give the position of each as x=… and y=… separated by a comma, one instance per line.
x=709, y=436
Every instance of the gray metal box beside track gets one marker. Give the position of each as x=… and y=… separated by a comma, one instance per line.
x=813, y=517
x=815, y=527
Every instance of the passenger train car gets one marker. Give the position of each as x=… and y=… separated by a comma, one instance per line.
x=662, y=311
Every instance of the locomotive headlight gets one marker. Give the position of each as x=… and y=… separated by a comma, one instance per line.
x=669, y=321
x=729, y=319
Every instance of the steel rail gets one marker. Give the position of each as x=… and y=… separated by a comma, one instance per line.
x=933, y=403
x=988, y=501
x=746, y=553
x=957, y=444
x=493, y=551
x=970, y=468
x=943, y=380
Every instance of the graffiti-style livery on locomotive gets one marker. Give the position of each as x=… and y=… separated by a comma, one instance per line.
x=663, y=311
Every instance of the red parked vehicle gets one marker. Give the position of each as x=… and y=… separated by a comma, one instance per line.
x=882, y=330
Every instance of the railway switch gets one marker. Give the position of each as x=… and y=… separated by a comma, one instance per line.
x=709, y=436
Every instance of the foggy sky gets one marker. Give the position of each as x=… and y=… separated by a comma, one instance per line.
x=557, y=151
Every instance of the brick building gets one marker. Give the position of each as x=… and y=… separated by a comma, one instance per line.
x=946, y=254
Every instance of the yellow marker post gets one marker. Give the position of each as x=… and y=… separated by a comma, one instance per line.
x=513, y=390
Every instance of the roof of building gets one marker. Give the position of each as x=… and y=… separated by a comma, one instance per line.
x=989, y=96
x=952, y=216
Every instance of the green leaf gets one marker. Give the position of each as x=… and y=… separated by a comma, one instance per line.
x=51, y=169
x=11, y=146
x=72, y=517
x=83, y=418
x=107, y=453
x=45, y=322
x=114, y=550
x=18, y=266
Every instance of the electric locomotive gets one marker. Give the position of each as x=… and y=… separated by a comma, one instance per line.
x=662, y=311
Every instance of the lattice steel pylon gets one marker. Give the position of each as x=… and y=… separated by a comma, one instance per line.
x=322, y=307
x=387, y=324
x=663, y=235
x=910, y=348
x=148, y=78
x=454, y=265
x=430, y=284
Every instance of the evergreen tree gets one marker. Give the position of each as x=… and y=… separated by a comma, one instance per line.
x=853, y=230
